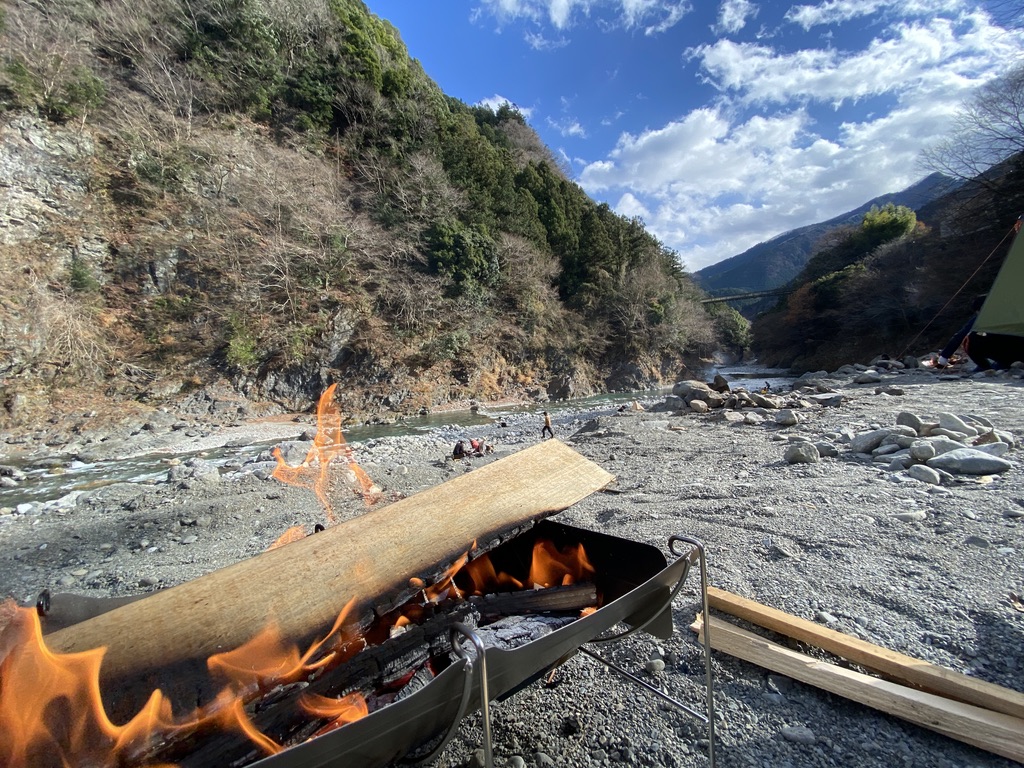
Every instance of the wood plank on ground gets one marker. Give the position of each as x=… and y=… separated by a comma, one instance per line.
x=992, y=731
x=904, y=669
x=304, y=586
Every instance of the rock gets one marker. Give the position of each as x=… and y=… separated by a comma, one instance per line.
x=685, y=389
x=955, y=423
x=925, y=474
x=868, y=377
x=911, y=517
x=720, y=383
x=922, y=450
x=969, y=461
x=802, y=453
x=787, y=418
x=827, y=400
x=698, y=406
x=799, y=734
x=866, y=442
x=655, y=666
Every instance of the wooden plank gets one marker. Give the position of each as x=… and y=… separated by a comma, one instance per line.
x=991, y=731
x=904, y=669
x=304, y=585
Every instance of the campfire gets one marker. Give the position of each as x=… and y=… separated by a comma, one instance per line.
x=378, y=665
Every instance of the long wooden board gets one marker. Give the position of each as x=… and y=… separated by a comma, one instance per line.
x=905, y=669
x=991, y=731
x=304, y=585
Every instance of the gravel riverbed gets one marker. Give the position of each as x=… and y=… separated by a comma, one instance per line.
x=849, y=539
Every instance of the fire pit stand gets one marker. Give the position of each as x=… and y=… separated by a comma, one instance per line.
x=640, y=596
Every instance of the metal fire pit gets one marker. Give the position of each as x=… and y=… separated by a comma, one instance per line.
x=638, y=585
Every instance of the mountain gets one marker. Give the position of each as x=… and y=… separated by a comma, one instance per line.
x=245, y=202
x=774, y=263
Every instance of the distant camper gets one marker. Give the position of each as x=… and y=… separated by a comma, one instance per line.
x=546, y=429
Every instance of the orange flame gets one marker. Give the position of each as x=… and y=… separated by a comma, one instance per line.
x=549, y=567
x=329, y=444
x=552, y=567
x=340, y=712
x=52, y=713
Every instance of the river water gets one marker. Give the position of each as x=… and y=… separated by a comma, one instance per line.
x=47, y=480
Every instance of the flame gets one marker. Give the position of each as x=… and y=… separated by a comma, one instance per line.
x=552, y=567
x=485, y=578
x=549, y=567
x=294, y=533
x=52, y=713
x=329, y=444
x=338, y=711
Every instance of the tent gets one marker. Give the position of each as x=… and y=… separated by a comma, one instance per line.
x=997, y=337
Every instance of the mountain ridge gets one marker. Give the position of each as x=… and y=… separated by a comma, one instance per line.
x=773, y=263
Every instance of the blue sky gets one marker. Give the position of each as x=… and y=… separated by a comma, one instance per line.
x=721, y=124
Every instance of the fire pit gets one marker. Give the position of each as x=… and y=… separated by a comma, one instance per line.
x=638, y=586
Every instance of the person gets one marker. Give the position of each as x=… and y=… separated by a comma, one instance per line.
x=546, y=429
x=965, y=334
x=460, y=450
x=955, y=341
x=479, y=447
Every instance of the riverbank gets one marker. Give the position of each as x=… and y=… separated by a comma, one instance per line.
x=924, y=569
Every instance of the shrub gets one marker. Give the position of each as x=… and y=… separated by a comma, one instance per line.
x=80, y=278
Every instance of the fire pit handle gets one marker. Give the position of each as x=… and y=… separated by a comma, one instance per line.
x=458, y=628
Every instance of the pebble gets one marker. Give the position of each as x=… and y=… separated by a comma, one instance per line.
x=911, y=517
x=799, y=734
x=655, y=666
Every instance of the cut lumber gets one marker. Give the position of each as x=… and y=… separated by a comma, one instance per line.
x=304, y=585
x=991, y=731
x=896, y=666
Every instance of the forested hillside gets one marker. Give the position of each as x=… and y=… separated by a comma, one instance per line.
x=271, y=194
x=898, y=283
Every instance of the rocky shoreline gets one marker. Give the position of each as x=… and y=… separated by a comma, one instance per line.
x=816, y=502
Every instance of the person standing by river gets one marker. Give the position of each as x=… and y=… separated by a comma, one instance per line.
x=546, y=429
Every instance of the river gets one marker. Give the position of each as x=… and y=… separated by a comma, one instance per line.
x=48, y=480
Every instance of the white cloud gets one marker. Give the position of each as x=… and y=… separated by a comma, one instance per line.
x=568, y=127
x=497, y=101
x=654, y=16
x=630, y=206
x=928, y=56
x=839, y=11
x=754, y=162
x=539, y=42
x=734, y=14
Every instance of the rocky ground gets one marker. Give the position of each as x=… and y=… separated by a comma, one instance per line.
x=858, y=533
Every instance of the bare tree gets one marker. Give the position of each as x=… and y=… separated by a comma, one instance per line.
x=988, y=129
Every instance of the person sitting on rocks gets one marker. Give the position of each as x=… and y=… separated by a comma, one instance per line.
x=460, y=452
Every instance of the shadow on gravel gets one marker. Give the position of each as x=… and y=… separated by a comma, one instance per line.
x=1000, y=644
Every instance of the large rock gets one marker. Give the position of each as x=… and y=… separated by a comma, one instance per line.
x=968, y=461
